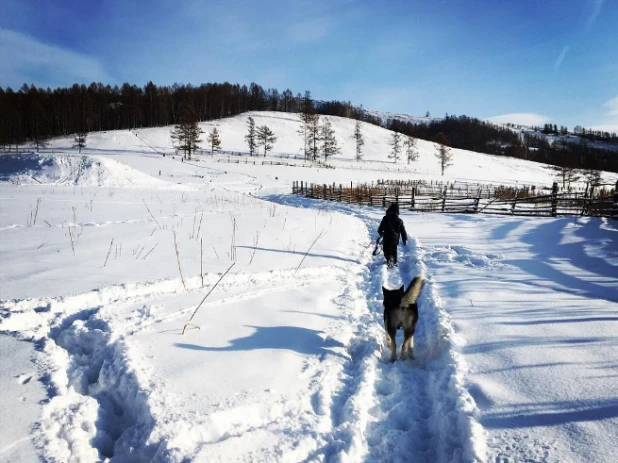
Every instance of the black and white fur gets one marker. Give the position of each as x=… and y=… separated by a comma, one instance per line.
x=401, y=312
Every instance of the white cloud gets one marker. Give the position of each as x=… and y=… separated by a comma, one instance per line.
x=611, y=128
x=520, y=118
x=561, y=56
x=26, y=60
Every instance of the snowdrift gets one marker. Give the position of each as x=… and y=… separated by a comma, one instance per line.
x=69, y=169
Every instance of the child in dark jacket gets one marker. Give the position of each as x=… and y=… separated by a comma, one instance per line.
x=390, y=229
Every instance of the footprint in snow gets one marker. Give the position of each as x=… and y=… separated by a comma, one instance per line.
x=23, y=378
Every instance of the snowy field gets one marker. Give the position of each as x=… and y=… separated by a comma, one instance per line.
x=106, y=255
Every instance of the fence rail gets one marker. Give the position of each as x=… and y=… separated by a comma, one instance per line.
x=598, y=200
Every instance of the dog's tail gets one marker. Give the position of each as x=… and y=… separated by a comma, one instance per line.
x=414, y=290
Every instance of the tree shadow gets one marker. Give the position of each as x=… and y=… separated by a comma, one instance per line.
x=300, y=253
x=545, y=243
x=551, y=414
x=300, y=340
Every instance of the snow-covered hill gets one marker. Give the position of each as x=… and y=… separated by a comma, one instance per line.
x=467, y=166
x=107, y=254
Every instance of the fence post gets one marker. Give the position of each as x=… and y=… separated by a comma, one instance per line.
x=312, y=190
x=479, y=191
x=340, y=193
x=554, y=199
x=444, y=198
x=615, y=213
x=413, y=194
x=585, y=197
x=514, y=200
x=302, y=189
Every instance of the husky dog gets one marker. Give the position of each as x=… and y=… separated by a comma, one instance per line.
x=401, y=312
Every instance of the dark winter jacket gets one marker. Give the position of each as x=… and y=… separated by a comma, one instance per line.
x=392, y=227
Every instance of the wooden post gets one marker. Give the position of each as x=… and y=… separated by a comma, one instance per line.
x=554, y=199
x=514, y=200
x=588, y=185
x=615, y=213
x=340, y=193
x=444, y=198
x=479, y=191
x=413, y=194
x=302, y=189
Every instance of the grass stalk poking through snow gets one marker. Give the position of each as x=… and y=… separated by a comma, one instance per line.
x=207, y=294
x=308, y=250
x=178, y=260
x=108, y=252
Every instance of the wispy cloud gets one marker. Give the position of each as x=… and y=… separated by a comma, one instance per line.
x=561, y=56
x=311, y=30
x=520, y=118
x=595, y=9
x=613, y=106
x=26, y=60
x=610, y=122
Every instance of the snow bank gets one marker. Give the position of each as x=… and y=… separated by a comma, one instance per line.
x=70, y=169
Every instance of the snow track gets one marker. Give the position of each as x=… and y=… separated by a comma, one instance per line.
x=413, y=410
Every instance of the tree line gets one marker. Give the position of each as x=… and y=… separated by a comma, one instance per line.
x=35, y=114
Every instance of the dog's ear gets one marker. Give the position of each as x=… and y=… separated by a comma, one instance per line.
x=401, y=289
x=384, y=291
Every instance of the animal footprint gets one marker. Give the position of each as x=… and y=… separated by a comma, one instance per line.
x=23, y=378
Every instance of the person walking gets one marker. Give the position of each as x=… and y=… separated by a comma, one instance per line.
x=390, y=229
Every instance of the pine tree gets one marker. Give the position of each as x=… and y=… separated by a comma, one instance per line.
x=251, y=137
x=80, y=139
x=265, y=138
x=395, y=146
x=187, y=133
x=411, y=150
x=360, y=141
x=328, y=140
x=443, y=152
x=214, y=140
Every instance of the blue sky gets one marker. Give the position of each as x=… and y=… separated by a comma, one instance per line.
x=520, y=60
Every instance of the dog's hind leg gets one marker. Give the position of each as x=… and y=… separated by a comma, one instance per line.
x=407, y=348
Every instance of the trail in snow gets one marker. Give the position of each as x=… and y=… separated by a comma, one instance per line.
x=414, y=410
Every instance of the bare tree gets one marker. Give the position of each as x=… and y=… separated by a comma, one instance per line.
x=313, y=135
x=395, y=146
x=187, y=133
x=214, y=140
x=328, y=139
x=360, y=141
x=265, y=138
x=79, y=139
x=251, y=137
x=411, y=149
x=306, y=116
x=443, y=152
x=42, y=141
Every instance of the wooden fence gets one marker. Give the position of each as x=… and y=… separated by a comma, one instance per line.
x=599, y=200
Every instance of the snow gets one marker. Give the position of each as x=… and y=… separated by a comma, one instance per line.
x=515, y=348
